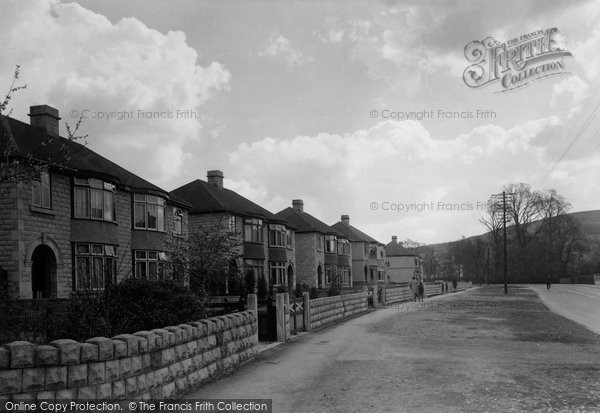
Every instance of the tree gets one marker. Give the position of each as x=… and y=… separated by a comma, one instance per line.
x=17, y=166
x=204, y=258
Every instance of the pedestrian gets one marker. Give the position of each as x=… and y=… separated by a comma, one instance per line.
x=421, y=288
x=549, y=282
x=454, y=283
x=414, y=287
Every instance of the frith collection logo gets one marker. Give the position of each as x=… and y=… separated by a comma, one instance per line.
x=515, y=63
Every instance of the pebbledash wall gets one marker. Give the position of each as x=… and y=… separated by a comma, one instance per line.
x=328, y=310
x=155, y=364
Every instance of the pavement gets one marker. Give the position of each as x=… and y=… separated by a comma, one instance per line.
x=577, y=302
x=476, y=350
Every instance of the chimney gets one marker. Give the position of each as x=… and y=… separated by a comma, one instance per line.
x=298, y=205
x=394, y=239
x=345, y=219
x=215, y=177
x=45, y=117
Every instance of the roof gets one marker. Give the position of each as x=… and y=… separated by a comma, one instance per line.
x=354, y=234
x=32, y=141
x=207, y=198
x=304, y=222
x=394, y=249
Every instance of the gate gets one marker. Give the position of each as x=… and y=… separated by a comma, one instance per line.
x=297, y=316
x=267, y=320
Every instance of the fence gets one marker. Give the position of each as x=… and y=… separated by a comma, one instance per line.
x=324, y=311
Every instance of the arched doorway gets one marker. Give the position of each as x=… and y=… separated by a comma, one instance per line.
x=290, y=277
x=320, y=283
x=43, y=271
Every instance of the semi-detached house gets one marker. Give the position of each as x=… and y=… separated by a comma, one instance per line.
x=80, y=226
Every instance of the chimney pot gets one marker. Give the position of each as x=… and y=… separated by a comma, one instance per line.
x=298, y=205
x=394, y=239
x=215, y=177
x=345, y=219
x=45, y=117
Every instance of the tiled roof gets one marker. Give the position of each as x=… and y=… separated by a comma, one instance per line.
x=34, y=141
x=394, y=249
x=304, y=222
x=207, y=198
x=353, y=234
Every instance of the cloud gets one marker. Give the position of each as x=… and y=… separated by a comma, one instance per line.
x=279, y=46
x=401, y=163
x=77, y=60
x=569, y=94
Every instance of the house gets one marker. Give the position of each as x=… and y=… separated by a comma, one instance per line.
x=402, y=264
x=266, y=242
x=81, y=222
x=322, y=253
x=368, y=254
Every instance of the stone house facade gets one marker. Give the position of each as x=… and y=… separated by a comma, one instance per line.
x=265, y=243
x=402, y=264
x=82, y=225
x=322, y=253
x=368, y=254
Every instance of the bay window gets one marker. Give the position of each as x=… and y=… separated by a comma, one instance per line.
x=149, y=212
x=253, y=230
x=177, y=221
x=94, y=199
x=277, y=235
x=330, y=243
x=95, y=266
x=149, y=264
x=278, y=270
x=343, y=247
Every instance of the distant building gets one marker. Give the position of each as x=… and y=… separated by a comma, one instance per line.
x=267, y=242
x=368, y=254
x=82, y=226
x=321, y=252
x=401, y=263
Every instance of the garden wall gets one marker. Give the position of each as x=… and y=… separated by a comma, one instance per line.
x=324, y=311
x=155, y=364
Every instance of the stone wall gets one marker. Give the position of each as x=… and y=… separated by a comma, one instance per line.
x=155, y=364
x=324, y=311
x=398, y=294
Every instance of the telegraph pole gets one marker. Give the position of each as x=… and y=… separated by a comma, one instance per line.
x=504, y=219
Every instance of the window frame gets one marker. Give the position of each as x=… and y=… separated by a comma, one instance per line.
x=330, y=244
x=145, y=260
x=38, y=184
x=278, y=273
x=93, y=253
x=107, y=190
x=253, y=226
x=148, y=202
x=277, y=236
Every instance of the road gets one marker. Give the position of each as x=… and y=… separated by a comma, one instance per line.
x=476, y=350
x=577, y=302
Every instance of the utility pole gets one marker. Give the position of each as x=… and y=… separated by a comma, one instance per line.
x=496, y=196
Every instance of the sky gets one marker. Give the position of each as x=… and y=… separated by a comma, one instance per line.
x=320, y=101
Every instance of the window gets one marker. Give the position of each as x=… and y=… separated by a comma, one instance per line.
x=329, y=271
x=177, y=221
x=40, y=191
x=94, y=199
x=231, y=225
x=330, y=242
x=256, y=266
x=289, y=237
x=278, y=270
x=149, y=264
x=373, y=252
x=149, y=212
x=320, y=240
x=95, y=266
x=253, y=230
x=343, y=247
x=277, y=235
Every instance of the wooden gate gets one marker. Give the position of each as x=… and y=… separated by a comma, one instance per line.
x=297, y=316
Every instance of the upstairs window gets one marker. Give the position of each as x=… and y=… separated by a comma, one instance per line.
x=343, y=247
x=277, y=235
x=330, y=244
x=253, y=230
x=177, y=221
x=40, y=191
x=289, y=237
x=94, y=199
x=231, y=225
x=320, y=241
x=149, y=212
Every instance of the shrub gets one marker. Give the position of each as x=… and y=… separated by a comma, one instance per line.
x=313, y=293
x=250, y=281
x=261, y=288
x=138, y=304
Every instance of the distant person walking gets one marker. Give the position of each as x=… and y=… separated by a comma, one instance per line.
x=454, y=283
x=421, y=289
x=549, y=282
x=414, y=287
